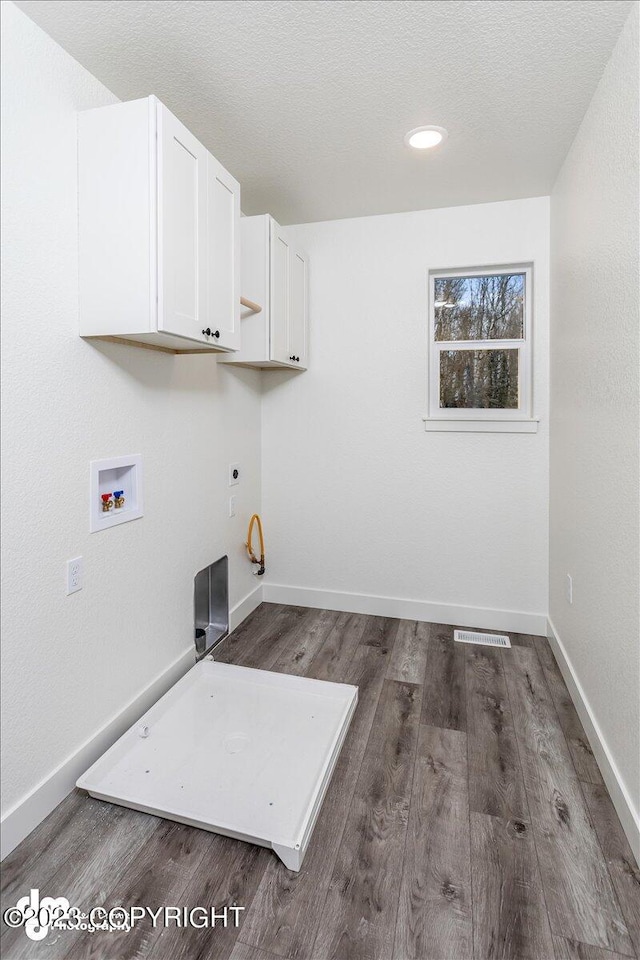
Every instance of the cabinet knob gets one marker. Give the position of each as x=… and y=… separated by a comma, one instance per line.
x=217, y=334
x=297, y=359
x=207, y=332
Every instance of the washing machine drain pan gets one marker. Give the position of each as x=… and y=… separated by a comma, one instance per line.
x=242, y=752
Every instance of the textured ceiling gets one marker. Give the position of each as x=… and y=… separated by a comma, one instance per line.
x=307, y=102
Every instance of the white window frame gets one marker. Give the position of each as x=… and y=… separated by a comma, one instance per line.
x=516, y=420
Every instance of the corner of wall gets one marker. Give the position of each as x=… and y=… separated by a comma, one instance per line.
x=594, y=425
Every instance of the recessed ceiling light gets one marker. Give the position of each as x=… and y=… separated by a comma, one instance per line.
x=424, y=137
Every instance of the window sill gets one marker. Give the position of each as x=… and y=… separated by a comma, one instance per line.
x=451, y=425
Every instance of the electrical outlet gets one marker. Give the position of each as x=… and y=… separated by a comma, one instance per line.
x=569, y=589
x=234, y=474
x=74, y=575
x=232, y=506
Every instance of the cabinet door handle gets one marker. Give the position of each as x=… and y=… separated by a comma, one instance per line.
x=207, y=332
x=217, y=334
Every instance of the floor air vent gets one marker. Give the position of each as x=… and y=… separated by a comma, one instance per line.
x=486, y=639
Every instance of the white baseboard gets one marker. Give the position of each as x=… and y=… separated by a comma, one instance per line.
x=246, y=606
x=620, y=796
x=32, y=809
x=461, y=616
x=29, y=812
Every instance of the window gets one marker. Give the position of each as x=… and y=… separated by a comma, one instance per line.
x=480, y=349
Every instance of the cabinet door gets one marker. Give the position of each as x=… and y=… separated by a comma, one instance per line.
x=223, y=256
x=298, y=317
x=182, y=229
x=280, y=266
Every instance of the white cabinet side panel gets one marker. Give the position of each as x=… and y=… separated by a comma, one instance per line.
x=280, y=266
x=223, y=255
x=117, y=255
x=254, y=286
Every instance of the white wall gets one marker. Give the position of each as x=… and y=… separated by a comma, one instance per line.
x=69, y=664
x=357, y=496
x=594, y=404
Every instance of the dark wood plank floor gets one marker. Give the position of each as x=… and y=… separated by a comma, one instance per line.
x=466, y=820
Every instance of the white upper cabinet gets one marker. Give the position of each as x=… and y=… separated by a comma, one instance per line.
x=274, y=275
x=159, y=233
x=298, y=299
x=182, y=228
